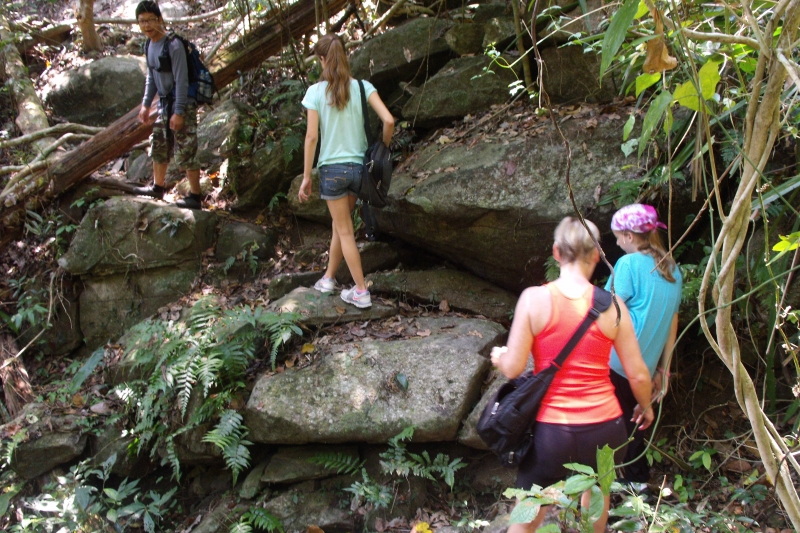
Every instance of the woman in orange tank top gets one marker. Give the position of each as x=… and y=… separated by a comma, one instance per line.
x=580, y=412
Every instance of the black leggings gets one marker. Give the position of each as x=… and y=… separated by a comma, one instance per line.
x=558, y=444
x=638, y=471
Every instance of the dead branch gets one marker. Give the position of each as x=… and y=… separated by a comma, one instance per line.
x=16, y=385
x=69, y=127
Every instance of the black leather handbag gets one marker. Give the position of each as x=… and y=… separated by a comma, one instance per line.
x=506, y=424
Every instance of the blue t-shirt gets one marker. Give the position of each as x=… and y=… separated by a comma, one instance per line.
x=652, y=302
x=342, y=137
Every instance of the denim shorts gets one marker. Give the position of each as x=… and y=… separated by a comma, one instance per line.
x=340, y=179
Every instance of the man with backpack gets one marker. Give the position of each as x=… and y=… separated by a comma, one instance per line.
x=175, y=128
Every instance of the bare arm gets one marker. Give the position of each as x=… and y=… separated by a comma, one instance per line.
x=661, y=378
x=312, y=137
x=512, y=361
x=385, y=115
x=638, y=375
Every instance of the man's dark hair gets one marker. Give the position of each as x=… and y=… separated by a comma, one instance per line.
x=148, y=7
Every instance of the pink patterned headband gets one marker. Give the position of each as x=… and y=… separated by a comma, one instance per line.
x=638, y=218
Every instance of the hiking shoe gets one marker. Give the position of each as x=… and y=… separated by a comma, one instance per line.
x=325, y=285
x=192, y=201
x=154, y=191
x=360, y=300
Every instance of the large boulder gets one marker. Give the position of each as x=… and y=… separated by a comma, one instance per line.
x=370, y=391
x=127, y=234
x=496, y=200
x=462, y=87
x=100, y=92
x=412, y=50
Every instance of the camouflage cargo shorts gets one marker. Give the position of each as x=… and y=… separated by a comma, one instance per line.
x=182, y=143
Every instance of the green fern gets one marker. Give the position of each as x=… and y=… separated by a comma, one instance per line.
x=339, y=462
x=201, y=361
x=229, y=437
x=258, y=518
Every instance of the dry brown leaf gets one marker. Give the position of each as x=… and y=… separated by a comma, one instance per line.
x=658, y=58
x=78, y=400
x=475, y=333
x=424, y=333
x=444, y=307
x=314, y=529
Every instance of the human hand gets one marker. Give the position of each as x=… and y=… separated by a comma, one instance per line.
x=497, y=353
x=304, y=193
x=176, y=122
x=660, y=385
x=643, y=416
x=144, y=115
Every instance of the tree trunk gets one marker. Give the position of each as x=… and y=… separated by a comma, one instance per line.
x=125, y=132
x=30, y=114
x=85, y=17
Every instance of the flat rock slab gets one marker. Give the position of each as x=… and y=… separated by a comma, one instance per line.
x=460, y=290
x=318, y=309
x=370, y=391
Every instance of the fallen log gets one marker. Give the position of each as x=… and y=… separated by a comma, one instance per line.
x=30, y=114
x=118, y=138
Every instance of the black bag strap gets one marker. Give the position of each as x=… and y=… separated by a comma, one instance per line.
x=367, y=129
x=601, y=300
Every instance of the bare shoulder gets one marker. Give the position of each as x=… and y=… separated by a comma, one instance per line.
x=535, y=304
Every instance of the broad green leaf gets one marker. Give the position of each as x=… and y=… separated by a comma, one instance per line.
x=525, y=511
x=626, y=525
x=653, y=117
x=707, y=461
x=615, y=34
x=709, y=78
x=686, y=95
x=549, y=528
x=111, y=515
x=629, y=147
x=86, y=370
x=628, y=127
x=583, y=469
x=643, y=81
x=642, y=11
x=578, y=483
x=605, y=468
x=669, y=119
x=787, y=243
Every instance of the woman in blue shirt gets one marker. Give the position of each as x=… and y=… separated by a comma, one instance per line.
x=335, y=120
x=649, y=281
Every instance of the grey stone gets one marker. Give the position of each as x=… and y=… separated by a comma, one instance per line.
x=352, y=393
x=99, y=92
x=317, y=309
x=459, y=290
x=294, y=464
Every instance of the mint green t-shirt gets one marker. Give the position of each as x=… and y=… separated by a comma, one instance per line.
x=342, y=138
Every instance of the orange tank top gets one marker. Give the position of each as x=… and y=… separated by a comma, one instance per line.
x=581, y=392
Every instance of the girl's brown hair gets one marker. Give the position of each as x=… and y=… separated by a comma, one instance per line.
x=336, y=70
x=651, y=244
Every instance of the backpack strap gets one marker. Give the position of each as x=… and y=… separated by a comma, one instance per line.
x=601, y=300
x=365, y=113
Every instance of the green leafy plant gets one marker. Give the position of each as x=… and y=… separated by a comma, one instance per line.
x=394, y=461
x=702, y=458
x=257, y=518
x=183, y=362
x=339, y=462
x=86, y=500
x=229, y=437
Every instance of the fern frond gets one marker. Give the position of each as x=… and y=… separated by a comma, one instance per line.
x=341, y=463
x=262, y=519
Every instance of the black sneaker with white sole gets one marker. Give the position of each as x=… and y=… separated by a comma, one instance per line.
x=153, y=191
x=192, y=201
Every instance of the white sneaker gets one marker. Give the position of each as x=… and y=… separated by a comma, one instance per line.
x=325, y=285
x=359, y=300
